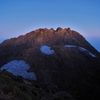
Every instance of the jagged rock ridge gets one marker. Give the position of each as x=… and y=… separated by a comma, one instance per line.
x=68, y=68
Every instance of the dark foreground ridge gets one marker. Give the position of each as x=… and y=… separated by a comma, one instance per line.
x=61, y=65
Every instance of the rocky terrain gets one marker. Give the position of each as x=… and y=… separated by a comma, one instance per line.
x=65, y=66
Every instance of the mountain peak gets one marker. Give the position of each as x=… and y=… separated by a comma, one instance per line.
x=61, y=58
x=45, y=36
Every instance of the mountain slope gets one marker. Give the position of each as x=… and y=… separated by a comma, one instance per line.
x=60, y=58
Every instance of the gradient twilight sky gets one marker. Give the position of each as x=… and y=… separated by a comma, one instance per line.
x=18, y=17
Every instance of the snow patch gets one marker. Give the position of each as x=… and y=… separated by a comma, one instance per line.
x=85, y=50
x=70, y=46
x=19, y=68
x=46, y=49
x=92, y=54
x=82, y=49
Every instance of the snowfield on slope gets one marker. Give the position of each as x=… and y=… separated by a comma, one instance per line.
x=70, y=46
x=19, y=68
x=81, y=49
x=46, y=50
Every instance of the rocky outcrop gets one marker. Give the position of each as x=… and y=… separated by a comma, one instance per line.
x=71, y=68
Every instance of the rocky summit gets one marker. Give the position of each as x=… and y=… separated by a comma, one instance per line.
x=48, y=64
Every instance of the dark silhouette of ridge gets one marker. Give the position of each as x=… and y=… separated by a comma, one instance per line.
x=72, y=67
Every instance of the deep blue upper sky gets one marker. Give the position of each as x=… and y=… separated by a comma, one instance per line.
x=18, y=17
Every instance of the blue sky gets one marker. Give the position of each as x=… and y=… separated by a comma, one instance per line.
x=18, y=17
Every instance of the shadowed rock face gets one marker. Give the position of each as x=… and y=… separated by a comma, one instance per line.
x=69, y=68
